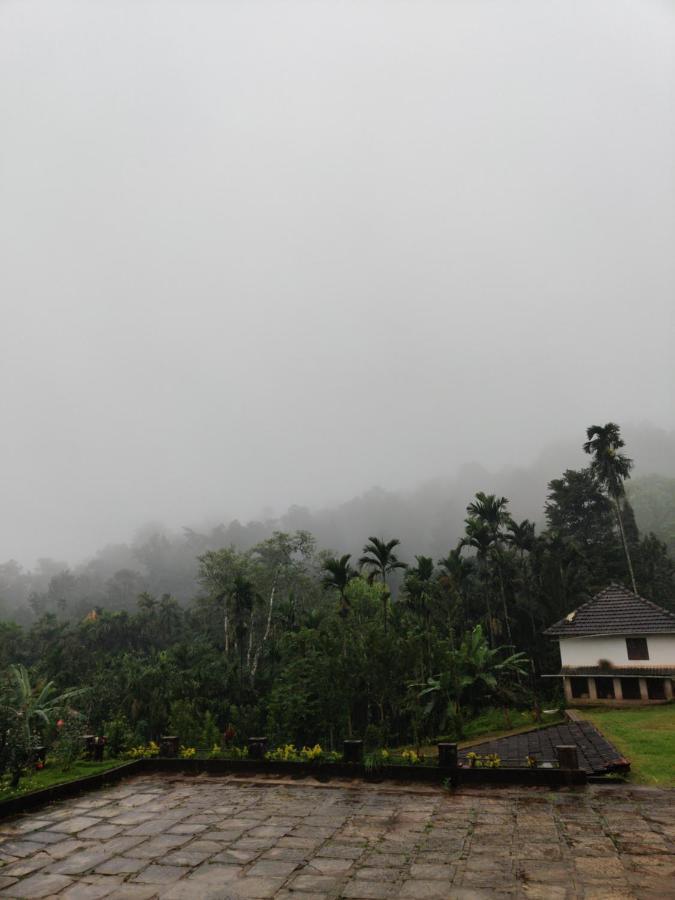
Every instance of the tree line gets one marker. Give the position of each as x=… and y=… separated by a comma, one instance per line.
x=309, y=645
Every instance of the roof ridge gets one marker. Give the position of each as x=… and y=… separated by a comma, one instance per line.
x=628, y=611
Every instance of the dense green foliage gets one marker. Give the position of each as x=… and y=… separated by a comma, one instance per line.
x=295, y=642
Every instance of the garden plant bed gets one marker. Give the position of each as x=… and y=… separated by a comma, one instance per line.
x=553, y=777
x=597, y=755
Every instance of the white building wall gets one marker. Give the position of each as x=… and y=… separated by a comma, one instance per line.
x=586, y=651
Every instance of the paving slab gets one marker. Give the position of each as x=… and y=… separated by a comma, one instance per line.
x=214, y=838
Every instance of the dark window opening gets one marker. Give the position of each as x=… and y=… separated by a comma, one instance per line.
x=656, y=689
x=637, y=648
x=630, y=689
x=604, y=687
x=579, y=688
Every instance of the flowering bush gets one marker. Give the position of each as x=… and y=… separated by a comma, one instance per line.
x=311, y=754
x=285, y=753
x=143, y=751
x=491, y=761
x=412, y=757
x=187, y=752
x=290, y=753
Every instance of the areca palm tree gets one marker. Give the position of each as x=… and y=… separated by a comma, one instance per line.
x=485, y=531
x=419, y=581
x=611, y=468
x=491, y=510
x=338, y=574
x=478, y=536
x=380, y=558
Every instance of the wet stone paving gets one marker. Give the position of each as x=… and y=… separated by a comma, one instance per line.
x=223, y=837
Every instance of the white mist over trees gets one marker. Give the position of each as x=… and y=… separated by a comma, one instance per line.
x=259, y=254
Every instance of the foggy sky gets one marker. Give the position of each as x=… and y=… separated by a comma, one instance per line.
x=261, y=253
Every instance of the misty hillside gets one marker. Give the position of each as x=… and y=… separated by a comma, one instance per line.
x=428, y=519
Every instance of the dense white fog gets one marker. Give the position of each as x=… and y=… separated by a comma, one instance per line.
x=256, y=254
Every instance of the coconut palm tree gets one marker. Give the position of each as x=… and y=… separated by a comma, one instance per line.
x=338, y=574
x=611, y=468
x=380, y=558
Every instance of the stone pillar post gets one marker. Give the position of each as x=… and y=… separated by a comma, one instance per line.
x=567, y=687
x=352, y=752
x=447, y=755
x=618, y=693
x=568, y=757
x=592, y=692
x=668, y=688
x=644, y=693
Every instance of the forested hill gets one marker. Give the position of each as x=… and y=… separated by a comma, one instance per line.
x=428, y=520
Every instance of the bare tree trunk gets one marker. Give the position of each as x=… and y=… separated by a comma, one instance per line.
x=625, y=544
x=250, y=641
x=226, y=628
x=268, y=627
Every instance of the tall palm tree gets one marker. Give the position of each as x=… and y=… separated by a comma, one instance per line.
x=491, y=510
x=485, y=530
x=611, y=468
x=380, y=558
x=419, y=582
x=478, y=536
x=338, y=574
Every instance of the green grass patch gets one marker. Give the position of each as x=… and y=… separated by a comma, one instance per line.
x=52, y=775
x=645, y=736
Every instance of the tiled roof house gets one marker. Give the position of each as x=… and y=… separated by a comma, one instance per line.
x=617, y=649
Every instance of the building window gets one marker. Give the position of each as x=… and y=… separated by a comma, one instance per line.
x=656, y=689
x=637, y=648
x=579, y=688
x=604, y=688
x=630, y=689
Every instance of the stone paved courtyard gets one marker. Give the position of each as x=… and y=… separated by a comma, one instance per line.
x=206, y=837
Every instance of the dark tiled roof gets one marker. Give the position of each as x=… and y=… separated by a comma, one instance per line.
x=616, y=610
x=618, y=671
x=596, y=754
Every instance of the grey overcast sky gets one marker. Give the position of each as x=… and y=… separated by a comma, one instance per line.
x=260, y=253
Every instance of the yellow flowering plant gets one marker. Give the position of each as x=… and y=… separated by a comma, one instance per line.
x=143, y=751
x=187, y=752
x=412, y=757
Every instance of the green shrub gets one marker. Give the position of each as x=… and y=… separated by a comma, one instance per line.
x=69, y=747
x=119, y=736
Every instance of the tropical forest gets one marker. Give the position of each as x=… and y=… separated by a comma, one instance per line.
x=311, y=645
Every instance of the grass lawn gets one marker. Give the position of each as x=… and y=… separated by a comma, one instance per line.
x=644, y=736
x=52, y=775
